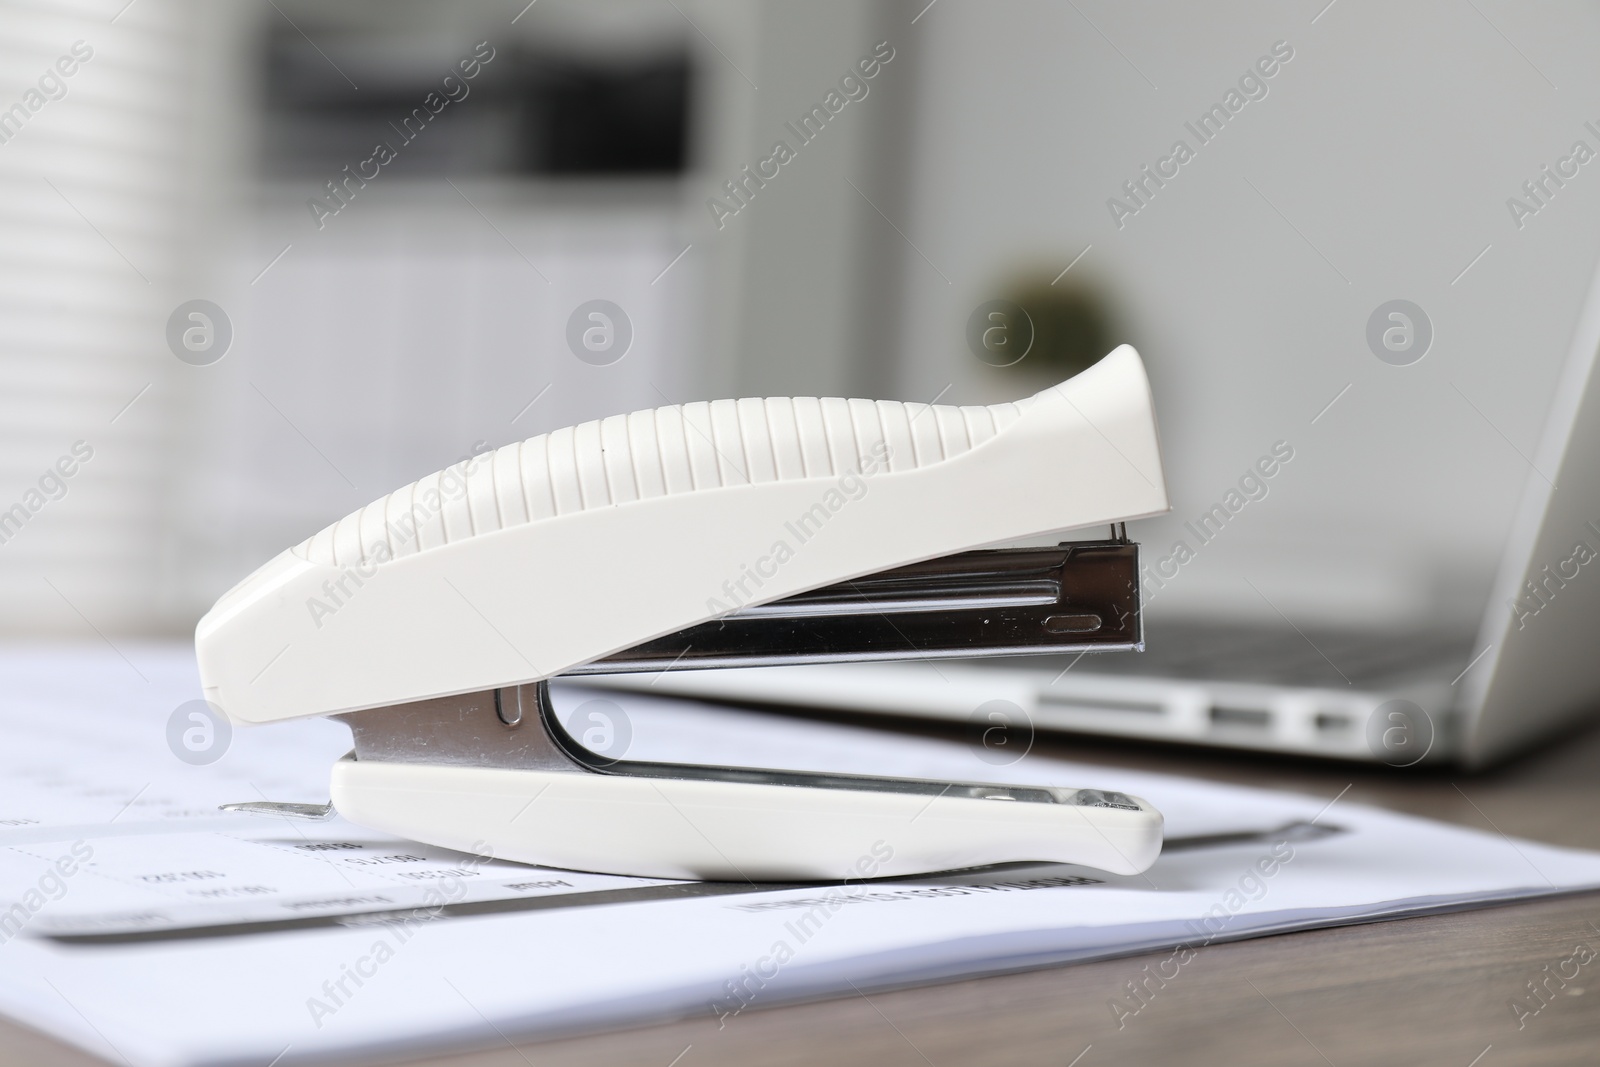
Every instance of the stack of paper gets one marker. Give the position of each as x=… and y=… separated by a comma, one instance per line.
x=138, y=922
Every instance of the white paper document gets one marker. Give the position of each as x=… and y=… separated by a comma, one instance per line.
x=142, y=924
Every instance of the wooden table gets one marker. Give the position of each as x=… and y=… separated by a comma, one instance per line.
x=1433, y=990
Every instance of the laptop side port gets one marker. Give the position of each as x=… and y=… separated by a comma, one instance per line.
x=1226, y=717
x=1333, y=722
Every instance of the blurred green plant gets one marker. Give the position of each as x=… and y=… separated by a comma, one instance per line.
x=1071, y=322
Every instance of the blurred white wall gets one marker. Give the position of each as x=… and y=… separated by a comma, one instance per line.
x=417, y=324
x=1377, y=166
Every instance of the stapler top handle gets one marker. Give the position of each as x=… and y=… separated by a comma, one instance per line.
x=537, y=558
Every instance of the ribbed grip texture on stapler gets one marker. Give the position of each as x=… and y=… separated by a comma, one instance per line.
x=665, y=451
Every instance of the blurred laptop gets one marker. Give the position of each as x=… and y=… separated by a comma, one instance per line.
x=1400, y=697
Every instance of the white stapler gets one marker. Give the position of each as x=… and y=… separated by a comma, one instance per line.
x=731, y=533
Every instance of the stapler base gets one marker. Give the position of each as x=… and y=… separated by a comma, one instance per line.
x=497, y=773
